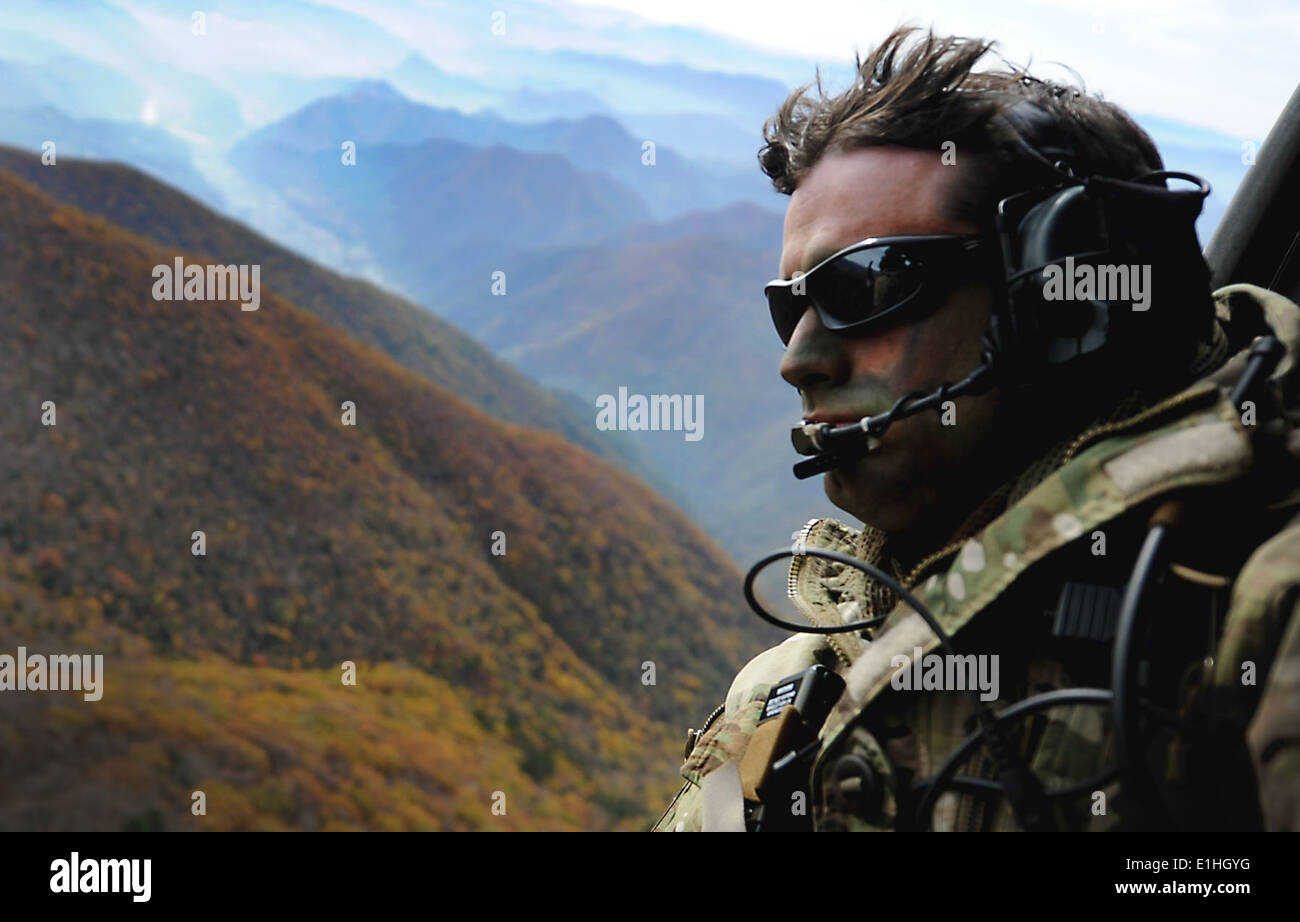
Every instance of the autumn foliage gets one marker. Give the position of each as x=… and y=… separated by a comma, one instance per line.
x=326, y=543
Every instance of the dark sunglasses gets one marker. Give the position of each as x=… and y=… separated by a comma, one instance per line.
x=873, y=283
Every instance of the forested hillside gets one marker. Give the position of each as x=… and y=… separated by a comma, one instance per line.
x=372, y=544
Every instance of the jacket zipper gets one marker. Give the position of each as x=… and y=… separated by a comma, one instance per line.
x=712, y=717
x=796, y=564
x=792, y=583
x=693, y=735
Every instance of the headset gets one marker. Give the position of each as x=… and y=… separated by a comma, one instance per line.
x=1037, y=338
x=1040, y=334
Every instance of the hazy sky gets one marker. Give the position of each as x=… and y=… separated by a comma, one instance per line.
x=1224, y=64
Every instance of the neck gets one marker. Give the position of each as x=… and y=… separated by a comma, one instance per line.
x=909, y=548
x=984, y=490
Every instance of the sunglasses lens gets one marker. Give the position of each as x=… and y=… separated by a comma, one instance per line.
x=786, y=310
x=863, y=284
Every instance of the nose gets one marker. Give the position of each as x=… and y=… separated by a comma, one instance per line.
x=814, y=354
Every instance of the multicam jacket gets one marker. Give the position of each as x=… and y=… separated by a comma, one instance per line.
x=1225, y=639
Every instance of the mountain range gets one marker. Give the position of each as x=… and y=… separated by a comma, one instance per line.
x=597, y=293
x=411, y=335
x=522, y=672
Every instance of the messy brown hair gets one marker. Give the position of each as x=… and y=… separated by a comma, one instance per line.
x=930, y=93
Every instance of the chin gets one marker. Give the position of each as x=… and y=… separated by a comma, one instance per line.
x=863, y=497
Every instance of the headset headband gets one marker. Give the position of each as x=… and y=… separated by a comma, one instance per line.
x=1033, y=130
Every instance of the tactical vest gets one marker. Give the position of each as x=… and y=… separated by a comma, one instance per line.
x=1037, y=589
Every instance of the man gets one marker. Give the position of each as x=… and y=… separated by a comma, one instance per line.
x=1016, y=513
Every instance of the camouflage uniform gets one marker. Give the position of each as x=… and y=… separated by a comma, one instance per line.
x=1228, y=594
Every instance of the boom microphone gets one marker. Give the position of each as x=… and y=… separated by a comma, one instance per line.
x=832, y=447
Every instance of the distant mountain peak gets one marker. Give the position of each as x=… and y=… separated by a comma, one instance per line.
x=374, y=88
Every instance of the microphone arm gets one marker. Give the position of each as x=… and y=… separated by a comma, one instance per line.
x=831, y=447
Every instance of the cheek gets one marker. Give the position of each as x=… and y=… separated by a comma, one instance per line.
x=951, y=346
x=911, y=357
x=890, y=356
x=921, y=356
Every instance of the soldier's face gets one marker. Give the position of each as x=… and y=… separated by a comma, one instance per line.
x=922, y=471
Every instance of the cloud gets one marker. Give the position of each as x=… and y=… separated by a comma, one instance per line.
x=1203, y=62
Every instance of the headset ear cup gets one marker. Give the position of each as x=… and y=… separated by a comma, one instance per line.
x=1159, y=242
x=1014, y=335
x=1054, y=329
